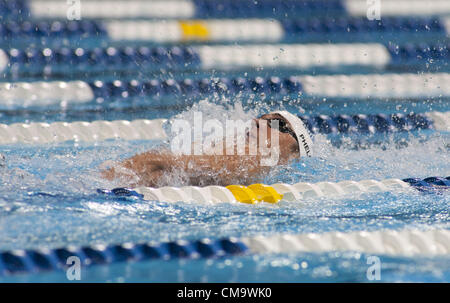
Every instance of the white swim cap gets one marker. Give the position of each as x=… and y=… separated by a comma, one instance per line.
x=303, y=138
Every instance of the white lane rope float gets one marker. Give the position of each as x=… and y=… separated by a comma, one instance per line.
x=426, y=85
x=41, y=132
x=44, y=93
x=115, y=9
x=293, y=55
x=385, y=242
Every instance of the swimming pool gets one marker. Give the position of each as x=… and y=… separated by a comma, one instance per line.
x=50, y=198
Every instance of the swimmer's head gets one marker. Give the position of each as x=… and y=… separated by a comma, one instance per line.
x=294, y=139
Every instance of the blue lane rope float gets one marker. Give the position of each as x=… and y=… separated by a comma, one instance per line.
x=192, y=87
x=35, y=61
x=429, y=56
x=42, y=133
x=380, y=123
x=356, y=25
x=28, y=261
x=52, y=29
x=268, y=8
x=14, y=9
x=430, y=184
x=52, y=61
x=390, y=242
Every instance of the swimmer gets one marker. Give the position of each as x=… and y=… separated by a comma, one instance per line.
x=163, y=168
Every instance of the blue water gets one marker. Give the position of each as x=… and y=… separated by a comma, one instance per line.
x=48, y=199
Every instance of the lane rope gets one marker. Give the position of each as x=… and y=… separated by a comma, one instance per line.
x=351, y=87
x=142, y=129
x=387, y=242
x=227, y=9
x=275, y=193
x=268, y=30
x=115, y=9
x=41, y=132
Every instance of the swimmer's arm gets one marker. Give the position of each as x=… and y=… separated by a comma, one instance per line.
x=141, y=169
x=147, y=168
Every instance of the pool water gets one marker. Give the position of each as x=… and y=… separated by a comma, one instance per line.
x=49, y=199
